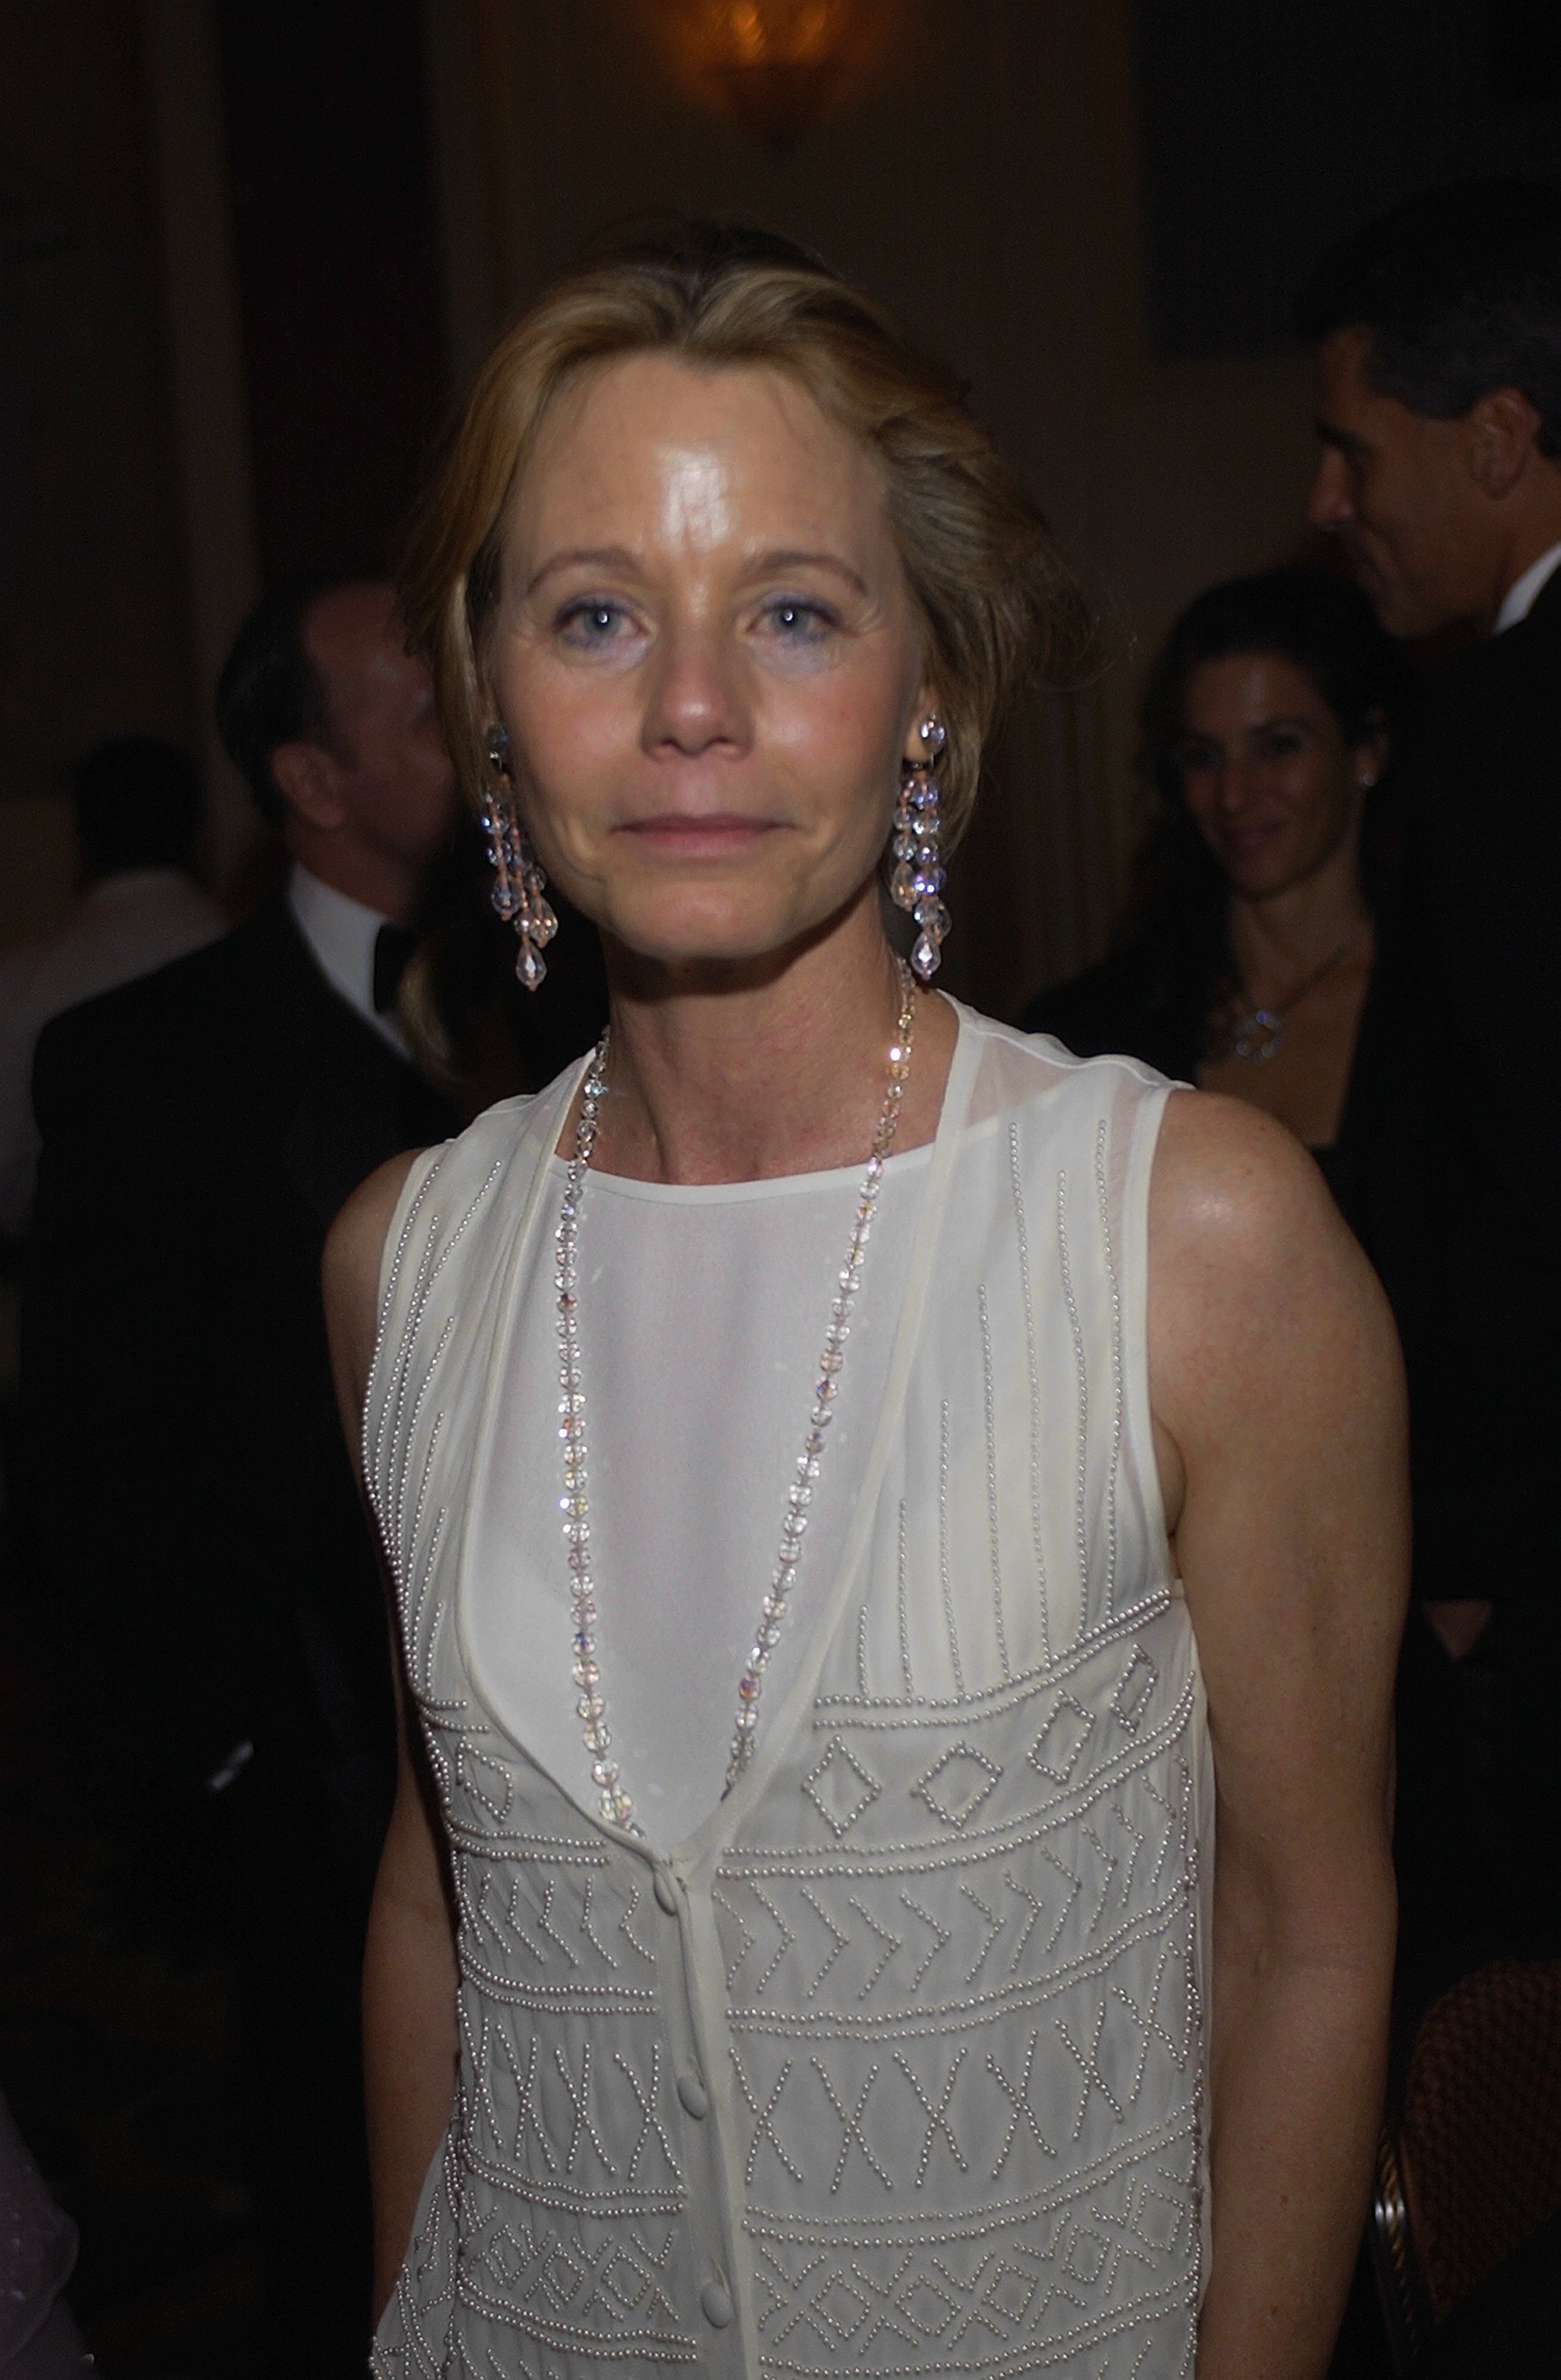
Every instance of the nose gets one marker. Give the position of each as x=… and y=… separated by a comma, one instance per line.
x=696, y=699
x=1230, y=787
x=1328, y=506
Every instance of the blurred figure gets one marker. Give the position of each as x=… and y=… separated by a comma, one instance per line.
x=1438, y=375
x=1266, y=732
x=190, y=1489
x=137, y=804
x=1438, y=332
x=39, y=2340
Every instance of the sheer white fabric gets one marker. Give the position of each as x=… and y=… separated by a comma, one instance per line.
x=702, y=1314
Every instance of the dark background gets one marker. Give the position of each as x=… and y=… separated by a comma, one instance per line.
x=334, y=242
x=251, y=253
x=1270, y=130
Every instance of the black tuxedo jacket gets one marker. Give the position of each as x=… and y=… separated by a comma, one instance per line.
x=1459, y=1113
x=187, y=1481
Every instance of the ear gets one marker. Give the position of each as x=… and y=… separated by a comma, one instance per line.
x=309, y=780
x=1503, y=432
x=1370, y=755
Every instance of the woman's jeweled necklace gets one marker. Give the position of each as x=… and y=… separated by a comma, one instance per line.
x=1258, y=1033
x=575, y=1504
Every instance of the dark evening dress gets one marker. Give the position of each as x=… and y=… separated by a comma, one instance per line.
x=1133, y=1005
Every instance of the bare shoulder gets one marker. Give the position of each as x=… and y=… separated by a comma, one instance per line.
x=1240, y=1221
x=350, y=1272
x=1229, y=1180
x=1261, y=1301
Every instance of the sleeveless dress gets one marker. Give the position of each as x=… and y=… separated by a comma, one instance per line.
x=894, y=2066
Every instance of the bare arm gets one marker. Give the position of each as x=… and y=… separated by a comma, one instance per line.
x=409, y=2034
x=1279, y=1419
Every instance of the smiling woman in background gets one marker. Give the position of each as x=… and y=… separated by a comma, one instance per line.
x=1266, y=733
x=806, y=1953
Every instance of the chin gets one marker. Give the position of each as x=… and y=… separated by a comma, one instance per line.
x=1262, y=883
x=1401, y=611
x=1400, y=615
x=704, y=932
x=1386, y=594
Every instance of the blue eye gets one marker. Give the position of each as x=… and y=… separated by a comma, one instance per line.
x=798, y=622
x=591, y=623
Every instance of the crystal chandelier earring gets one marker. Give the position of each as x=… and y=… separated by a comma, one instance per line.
x=519, y=887
x=918, y=879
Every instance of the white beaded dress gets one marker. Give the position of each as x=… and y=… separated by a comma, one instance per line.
x=890, y=2062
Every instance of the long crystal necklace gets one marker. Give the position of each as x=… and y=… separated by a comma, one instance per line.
x=575, y=1504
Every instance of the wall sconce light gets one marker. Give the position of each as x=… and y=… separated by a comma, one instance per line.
x=773, y=66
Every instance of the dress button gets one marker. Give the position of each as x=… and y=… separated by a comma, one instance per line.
x=715, y=2305
x=665, y=1892
x=692, y=2091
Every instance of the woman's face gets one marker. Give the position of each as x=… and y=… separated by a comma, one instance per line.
x=707, y=658
x=1270, y=782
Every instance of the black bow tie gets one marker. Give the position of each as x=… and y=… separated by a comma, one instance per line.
x=392, y=947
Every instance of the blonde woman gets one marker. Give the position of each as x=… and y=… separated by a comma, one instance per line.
x=896, y=1534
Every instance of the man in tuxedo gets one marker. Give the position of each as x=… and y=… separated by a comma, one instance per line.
x=1437, y=334
x=190, y=1492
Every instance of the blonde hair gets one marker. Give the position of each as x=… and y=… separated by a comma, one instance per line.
x=994, y=598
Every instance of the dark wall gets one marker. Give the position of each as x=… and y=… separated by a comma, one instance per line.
x=1270, y=130
x=93, y=619
x=328, y=152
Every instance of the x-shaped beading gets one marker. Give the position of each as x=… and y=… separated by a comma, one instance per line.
x=851, y=2132
x=1020, y=2109
x=937, y=2118
x=764, y=2129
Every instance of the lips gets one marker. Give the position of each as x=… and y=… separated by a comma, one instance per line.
x=713, y=833
x=1359, y=558
x=1242, y=841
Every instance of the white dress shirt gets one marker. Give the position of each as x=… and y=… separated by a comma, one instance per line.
x=127, y=925
x=341, y=934
x=1521, y=596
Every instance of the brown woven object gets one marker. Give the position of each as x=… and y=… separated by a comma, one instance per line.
x=1480, y=2135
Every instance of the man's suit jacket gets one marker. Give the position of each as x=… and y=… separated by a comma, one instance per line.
x=1459, y=1113
x=188, y=1483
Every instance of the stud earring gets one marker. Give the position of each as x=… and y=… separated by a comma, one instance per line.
x=917, y=883
x=519, y=892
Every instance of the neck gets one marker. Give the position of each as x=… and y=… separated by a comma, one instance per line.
x=1532, y=533
x=1277, y=941
x=742, y=1073
x=389, y=886
x=92, y=879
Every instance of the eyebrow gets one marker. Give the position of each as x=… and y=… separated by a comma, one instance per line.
x=1329, y=435
x=600, y=557
x=794, y=558
x=618, y=557
x=1258, y=727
